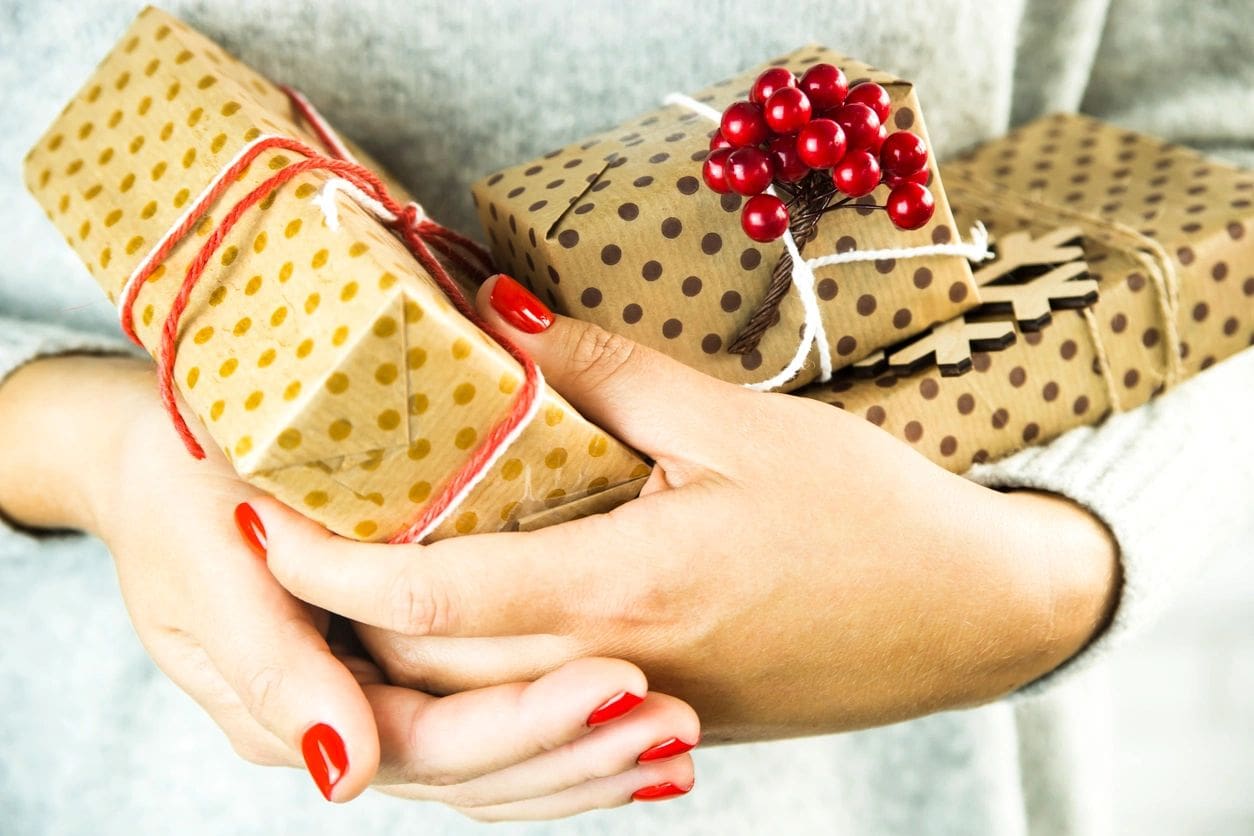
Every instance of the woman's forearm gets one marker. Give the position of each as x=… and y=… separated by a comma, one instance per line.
x=1067, y=555
x=61, y=423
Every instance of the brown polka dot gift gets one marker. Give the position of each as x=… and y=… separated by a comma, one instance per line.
x=631, y=228
x=1130, y=269
x=320, y=355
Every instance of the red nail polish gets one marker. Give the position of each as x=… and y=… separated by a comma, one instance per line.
x=519, y=307
x=325, y=757
x=659, y=792
x=615, y=707
x=250, y=527
x=672, y=748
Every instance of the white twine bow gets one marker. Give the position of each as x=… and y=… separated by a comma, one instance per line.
x=325, y=198
x=325, y=201
x=813, y=333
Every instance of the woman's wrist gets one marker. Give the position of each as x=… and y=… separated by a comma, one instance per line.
x=63, y=423
x=1068, y=561
x=1004, y=588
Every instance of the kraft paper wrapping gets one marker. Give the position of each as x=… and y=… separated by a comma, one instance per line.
x=1147, y=210
x=620, y=230
x=327, y=365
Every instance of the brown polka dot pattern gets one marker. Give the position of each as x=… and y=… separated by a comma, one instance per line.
x=988, y=412
x=327, y=366
x=664, y=226
x=1194, y=219
x=1046, y=382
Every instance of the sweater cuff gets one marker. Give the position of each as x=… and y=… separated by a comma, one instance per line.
x=1171, y=480
x=22, y=341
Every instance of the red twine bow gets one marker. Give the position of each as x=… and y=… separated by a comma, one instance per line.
x=419, y=234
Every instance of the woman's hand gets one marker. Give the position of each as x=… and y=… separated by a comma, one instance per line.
x=790, y=568
x=84, y=443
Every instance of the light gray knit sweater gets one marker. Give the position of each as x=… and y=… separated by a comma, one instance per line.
x=93, y=739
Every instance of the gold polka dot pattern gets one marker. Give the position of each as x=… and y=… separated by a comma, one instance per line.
x=1199, y=210
x=327, y=365
x=618, y=229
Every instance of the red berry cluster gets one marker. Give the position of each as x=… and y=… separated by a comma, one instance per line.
x=792, y=129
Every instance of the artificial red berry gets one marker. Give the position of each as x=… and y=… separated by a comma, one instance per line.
x=873, y=96
x=749, y=171
x=764, y=218
x=787, y=110
x=821, y=143
x=715, y=170
x=862, y=126
x=719, y=141
x=789, y=166
x=743, y=124
x=826, y=86
x=910, y=206
x=923, y=176
x=776, y=78
x=877, y=142
x=904, y=153
x=857, y=174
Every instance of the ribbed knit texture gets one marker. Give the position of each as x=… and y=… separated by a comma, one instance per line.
x=95, y=740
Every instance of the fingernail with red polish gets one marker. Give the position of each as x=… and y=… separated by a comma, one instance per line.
x=325, y=757
x=518, y=306
x=659, y=792
x=615, y=707
x=250, y=527
x=672, y=748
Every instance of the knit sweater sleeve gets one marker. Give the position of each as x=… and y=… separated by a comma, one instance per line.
x=1172, y=480
x=22, y=341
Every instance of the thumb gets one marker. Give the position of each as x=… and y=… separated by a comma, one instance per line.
x=651, y=402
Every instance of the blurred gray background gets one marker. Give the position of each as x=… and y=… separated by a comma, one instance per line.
x=1184, y=711
x=1183, y=708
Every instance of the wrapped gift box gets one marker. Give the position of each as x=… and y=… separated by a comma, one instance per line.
x=1163, y=290
x=325, y=363
x=618, y=229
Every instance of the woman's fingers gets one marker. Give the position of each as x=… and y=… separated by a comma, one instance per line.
x=290, y=683
x=449, y=740
x=441, y=665
x=490, y=584
x=647, y=782
x=191, y=669
x=266, y=647
x=662, y=728
x=650, y=401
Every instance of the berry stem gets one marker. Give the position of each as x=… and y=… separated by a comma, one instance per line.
x=809, y=193
x=848, y=204
x=844, y=203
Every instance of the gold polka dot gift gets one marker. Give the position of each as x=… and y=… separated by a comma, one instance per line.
x=618, y=229
x=1126, y=267
x=320, y=356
